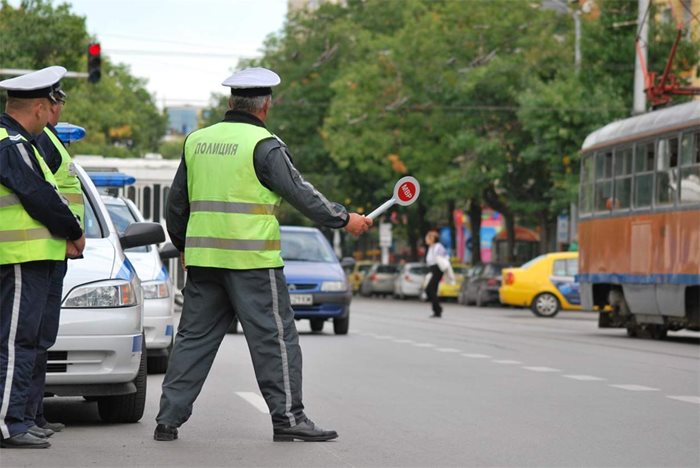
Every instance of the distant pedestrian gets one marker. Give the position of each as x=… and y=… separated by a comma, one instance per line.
x=435, y=255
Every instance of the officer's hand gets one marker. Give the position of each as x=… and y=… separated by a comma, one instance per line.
x=357, y=224
x=71, y=250
x=79, y=244
x=182, y=261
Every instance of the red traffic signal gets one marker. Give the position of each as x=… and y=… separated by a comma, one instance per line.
x=94, y=62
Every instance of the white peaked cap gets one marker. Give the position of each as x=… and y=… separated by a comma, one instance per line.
x=257, y=77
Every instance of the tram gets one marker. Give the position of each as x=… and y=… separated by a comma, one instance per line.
x=639, y=222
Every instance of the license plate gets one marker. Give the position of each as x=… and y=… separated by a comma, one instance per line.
x=301, y=299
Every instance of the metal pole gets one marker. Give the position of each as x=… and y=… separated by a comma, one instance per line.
x=577, y=41
x=640, y=98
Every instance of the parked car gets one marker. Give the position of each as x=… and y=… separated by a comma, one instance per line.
x=357, y=274
x=546, y=284
x=481, y=286
x=318, y=287
x=158, y=313
x=450, y=290
x=98, y=353
x=409, y=281
x=379, y=280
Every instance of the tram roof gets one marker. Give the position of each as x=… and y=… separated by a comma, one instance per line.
x=646, y=125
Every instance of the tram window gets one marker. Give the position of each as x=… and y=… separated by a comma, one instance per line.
x=146, y=208
x=587, y=184
x=643, y=190
x=131, y=193
x=623, y=161
x=690, y=184
x=623, y=193
x=690, y=149
x=603, y=166
x=603, y=195
x=667, y=175
x=667, y=154
x=644, y=157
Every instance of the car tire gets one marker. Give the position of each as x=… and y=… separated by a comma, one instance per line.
x=341, y=325
x=127, y=408
x=545, y=305
x=159, y=364
x=233, y=328
x=317, y=324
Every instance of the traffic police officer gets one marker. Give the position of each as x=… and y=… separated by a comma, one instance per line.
x=37, y=229
x=61, y=165
x=221, y=212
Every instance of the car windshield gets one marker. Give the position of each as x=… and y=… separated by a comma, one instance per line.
x=122, y=217
x=300, y=246
x=91, y=225
x=418, y=270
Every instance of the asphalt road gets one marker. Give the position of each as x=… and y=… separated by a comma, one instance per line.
x=479, y=387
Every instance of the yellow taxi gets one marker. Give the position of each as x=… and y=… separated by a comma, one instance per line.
x=447, y=290
x=546, y=284
x=357, y=274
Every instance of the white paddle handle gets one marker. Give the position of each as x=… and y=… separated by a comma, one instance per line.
x=385, y=206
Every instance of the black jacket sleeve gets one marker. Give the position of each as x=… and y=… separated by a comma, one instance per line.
x=275, y=170
x=178, y=213
x=39, y=198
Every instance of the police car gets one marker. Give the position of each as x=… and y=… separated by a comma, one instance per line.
x=155, y=281
x=99, y=350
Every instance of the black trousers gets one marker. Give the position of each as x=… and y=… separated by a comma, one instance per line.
x=261, y=302
x=24, y=289
x=432, y=288
x=34, y=414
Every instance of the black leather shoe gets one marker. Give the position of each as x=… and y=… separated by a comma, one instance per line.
x=56, y=427
x=306, y=431
x=26, y=441
x=165, y=432
x=40, y=432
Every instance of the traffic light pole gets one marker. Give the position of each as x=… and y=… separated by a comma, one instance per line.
x=17, y=72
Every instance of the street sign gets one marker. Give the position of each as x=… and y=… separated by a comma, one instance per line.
x=406, y=191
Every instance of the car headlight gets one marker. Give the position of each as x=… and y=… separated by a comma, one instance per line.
x=155, y=290
x=113, y=293
x=333, y=286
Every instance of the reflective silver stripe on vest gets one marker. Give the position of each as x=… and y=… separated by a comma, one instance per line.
x=73, y=197
x=231, y=244
x=8, y=200
x=20, y=235
x=233, y=207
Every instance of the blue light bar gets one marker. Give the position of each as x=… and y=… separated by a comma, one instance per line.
x=111, y=179
x=69, y=133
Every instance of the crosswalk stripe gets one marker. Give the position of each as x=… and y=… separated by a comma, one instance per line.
x=636, y=388
x=687, y=399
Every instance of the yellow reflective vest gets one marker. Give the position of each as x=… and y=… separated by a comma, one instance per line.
x=232, y=221
x=22, y=238
x=67, y=182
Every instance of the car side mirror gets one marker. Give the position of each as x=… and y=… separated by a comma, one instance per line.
x=347, y=262
x=168, y=251
x=140, y=234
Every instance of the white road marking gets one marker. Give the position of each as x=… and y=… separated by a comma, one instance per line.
x=403, y=340
x=687, y=399
x=588, y=378
x=636, y=388
x=384, y=337
x=256, y=400
x=506, y=361
x=542, y=369
x=476, y=355
x=424, y=345
x=448, y=350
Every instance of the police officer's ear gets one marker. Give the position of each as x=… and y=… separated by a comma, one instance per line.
x=266, y=106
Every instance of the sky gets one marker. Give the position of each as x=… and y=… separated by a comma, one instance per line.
x=184, y=48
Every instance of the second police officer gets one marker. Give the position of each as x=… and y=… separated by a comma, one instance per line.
x=221, y=213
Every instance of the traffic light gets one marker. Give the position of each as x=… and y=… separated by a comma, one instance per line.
x=94, y=62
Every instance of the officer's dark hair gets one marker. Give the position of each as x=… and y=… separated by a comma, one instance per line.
x=251, y=104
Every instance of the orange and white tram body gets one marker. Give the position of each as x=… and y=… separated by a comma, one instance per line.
x=639, y=222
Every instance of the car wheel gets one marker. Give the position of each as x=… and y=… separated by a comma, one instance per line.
x=317, y=324
x=159, y=364
x=127, y=408
x=545, y=305
x=341, y=325
x=233, y=328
